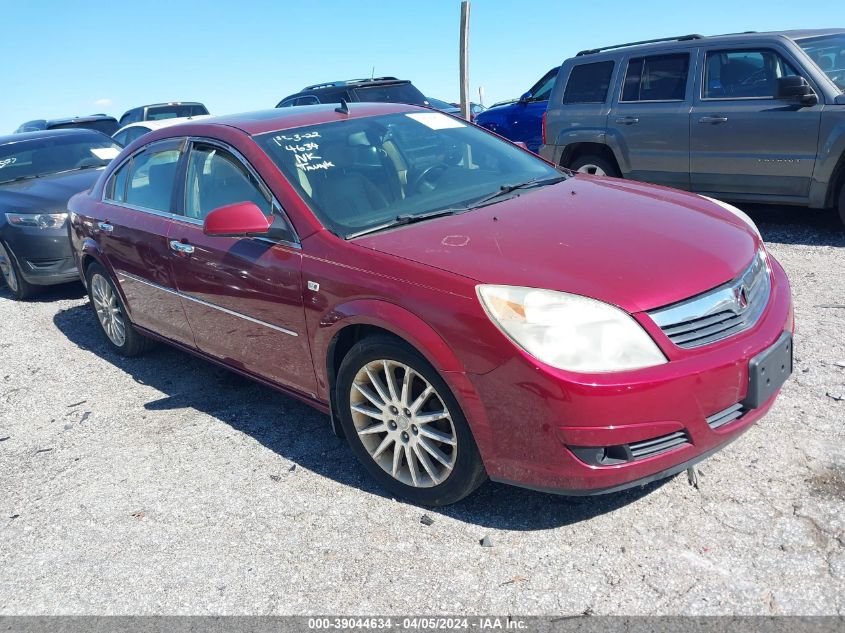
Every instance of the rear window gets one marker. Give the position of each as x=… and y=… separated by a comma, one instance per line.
x=657, y=78
x=175, y=111
x=588, y=83
x=106, y=126
x=391, y=93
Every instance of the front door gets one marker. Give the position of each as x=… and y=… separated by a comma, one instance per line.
x=743, y=139
x=242, y=296
x=132, y=231
x=650, y=119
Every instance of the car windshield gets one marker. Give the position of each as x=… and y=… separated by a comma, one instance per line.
x=32, y=158
x=390, y=93
x=156, y=113
x=828, y=52
x=364, y=174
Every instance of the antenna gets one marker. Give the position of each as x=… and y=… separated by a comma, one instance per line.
x=343, y=108
x=373, y=74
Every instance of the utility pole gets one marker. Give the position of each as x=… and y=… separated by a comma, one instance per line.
x=464, y=61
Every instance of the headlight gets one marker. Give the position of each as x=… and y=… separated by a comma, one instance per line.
x=570, y=331
x=41, y=220
x=742, y=215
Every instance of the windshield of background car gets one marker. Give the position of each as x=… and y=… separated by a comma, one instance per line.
x=362, y=173
x=174, y=111
x=32, y=158
x=828, y=52
x=391, y=93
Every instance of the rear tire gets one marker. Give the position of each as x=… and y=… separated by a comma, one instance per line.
x=594, y=165
x=111, y=314
x=406, y=428
x=21, y=289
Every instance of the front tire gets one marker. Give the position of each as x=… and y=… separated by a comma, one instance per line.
x=842, y=204
x=21, y=289
x=595, y=166
x=111, y=314
x=404, y=425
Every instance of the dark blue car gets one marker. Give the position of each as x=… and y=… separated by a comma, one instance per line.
x=521, y=120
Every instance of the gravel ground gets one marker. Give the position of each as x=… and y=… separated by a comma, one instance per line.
x=166, y=485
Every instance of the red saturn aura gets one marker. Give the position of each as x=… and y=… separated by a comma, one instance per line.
x=460, y=308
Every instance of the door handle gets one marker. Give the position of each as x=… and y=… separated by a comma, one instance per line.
x=627, y=120
x=713, y=119
x=181, y=247
x=105, y=226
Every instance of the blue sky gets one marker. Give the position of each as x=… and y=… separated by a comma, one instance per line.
x=64, y=58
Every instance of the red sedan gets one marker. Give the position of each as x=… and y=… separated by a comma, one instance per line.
x=459, y=307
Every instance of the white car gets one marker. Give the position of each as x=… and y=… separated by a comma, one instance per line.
x=129, y=133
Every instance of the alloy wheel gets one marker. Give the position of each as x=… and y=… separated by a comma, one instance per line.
x=593, y=170
x=403, y=423
x=108, y=309
x=8, y=270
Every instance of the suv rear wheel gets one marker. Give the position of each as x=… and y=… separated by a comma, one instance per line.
x=594, y=165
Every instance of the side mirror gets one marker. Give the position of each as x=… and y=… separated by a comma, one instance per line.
x=796, y=89
x=236, y=220
x=525, y=98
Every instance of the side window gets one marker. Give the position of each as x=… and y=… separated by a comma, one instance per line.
x=543, y=88
x=122, y=138
x=307, y=100
x=588, y=83
x=116, y=189
x=657, y=78
x=744, y=74
x=151, y=179
x=287, y=103
x=216, y=179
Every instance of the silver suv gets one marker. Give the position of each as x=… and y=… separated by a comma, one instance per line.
x=747, y=117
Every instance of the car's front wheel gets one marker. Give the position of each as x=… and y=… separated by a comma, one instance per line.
x=111, y=314
x=842, y=203
x=20, y=287
x=404, y=425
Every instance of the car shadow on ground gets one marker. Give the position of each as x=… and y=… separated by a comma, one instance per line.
x=797, y=225
x=303, y=436
x=48, y=294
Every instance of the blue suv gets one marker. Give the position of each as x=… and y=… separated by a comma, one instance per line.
x=521, y=120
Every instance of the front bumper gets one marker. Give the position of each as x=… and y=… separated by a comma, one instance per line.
x=533, y=420
x=43, y=256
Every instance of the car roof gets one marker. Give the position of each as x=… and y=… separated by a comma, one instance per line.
x=81, y=119
x=157, y=124
x=685, y=41
x=367, y=81
x=277, y=119
x=25, y=136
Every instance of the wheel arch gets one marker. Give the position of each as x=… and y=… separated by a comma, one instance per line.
x=574, y=151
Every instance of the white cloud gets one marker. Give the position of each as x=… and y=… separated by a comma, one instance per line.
x=103, y=102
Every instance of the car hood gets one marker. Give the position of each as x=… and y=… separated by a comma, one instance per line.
x=633, y=245
x=47, y=193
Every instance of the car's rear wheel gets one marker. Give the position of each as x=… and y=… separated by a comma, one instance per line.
x=21, y=289
x=594, y=165
x=111, y=314
x=404, y=425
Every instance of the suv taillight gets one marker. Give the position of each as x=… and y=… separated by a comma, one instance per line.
x=544, y=128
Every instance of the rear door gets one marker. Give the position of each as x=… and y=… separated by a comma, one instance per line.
x=743, y=139
x=137, y=210
x=242, y=296
x=649, y=120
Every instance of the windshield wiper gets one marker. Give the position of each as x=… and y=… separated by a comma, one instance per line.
x=405, y=218
x=27, y=177
x=506, y=189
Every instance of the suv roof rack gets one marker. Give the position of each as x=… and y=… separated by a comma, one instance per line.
x=679, y=38
x=347, y=82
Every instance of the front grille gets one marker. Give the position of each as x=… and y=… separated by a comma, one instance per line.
x=719, y=313
x=733, y=412
x=657, y=445
x=635, y=451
